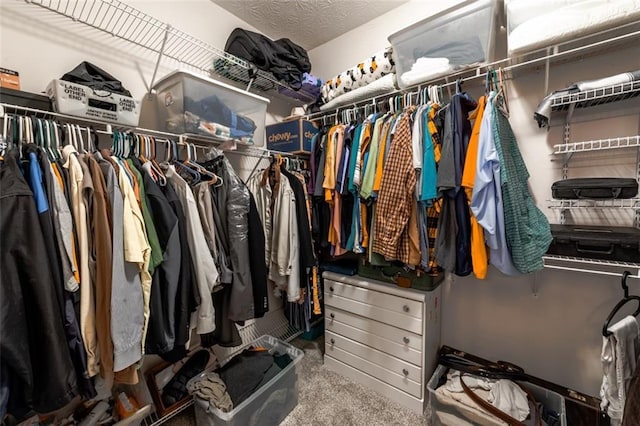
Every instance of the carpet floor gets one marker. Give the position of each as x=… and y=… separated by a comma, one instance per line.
x=329, y=399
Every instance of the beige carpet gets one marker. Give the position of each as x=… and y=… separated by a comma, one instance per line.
x=327, y=398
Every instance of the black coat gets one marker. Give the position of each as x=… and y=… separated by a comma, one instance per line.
x=32, y=338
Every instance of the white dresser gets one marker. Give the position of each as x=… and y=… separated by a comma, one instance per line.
x=383, y=336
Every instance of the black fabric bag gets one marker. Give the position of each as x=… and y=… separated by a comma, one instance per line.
x=300, y=54
x=96, y=78
x=594, y=188
x=596, y=242
x=283, y=59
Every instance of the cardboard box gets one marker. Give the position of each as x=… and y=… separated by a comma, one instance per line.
x=9, y=79
x=291, y=136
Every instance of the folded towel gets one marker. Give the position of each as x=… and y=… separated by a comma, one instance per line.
x=425, y=69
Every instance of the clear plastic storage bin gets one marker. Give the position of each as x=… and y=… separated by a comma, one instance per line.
x=449, y=415
x=454, y=39
x=270, y=404
x=193, y=104
x=538, y=24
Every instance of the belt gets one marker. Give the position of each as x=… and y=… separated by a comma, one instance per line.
x=499, y=413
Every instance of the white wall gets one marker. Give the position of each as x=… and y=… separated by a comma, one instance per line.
x=549, y=322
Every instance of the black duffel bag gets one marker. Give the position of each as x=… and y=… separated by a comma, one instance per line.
x=96, y=78
x=284, y=59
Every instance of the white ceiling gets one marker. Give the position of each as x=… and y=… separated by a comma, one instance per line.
x=308, y=23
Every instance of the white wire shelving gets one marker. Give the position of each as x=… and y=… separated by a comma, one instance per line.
x=130, y=24
x=229, y=146
x=617, y=203
x=599, y=96
x=597, y=145
x=591, y=266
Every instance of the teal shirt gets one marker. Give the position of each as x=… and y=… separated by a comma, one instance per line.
x=355, y=146
x=429, y=176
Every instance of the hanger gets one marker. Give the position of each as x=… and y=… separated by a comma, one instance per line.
x=624, y=301
x=4, y=143
x=183, y=164
x=501, y=98
x=459, y=85
x=49, y=129
x=155, y=167
x=193, y=162
x=80, y=138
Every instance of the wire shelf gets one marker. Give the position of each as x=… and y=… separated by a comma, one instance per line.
x=593, y=97
x=130, y=24
x=597, y=145
x=631, y=203
x=592, y=266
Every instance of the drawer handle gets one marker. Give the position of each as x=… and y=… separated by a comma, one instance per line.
x=333, y=341
x=405, y=372
x=332, y=316
x=405, y=308
x=331, y=289
x=405, y=340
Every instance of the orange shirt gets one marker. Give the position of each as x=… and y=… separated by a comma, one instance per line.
x=479, y=256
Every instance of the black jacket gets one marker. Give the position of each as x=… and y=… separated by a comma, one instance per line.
x=166, y=278
x=32, y=338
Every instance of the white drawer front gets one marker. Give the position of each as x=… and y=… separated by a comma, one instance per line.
x=394, y=341
x=406, y=307
x=394, y=377
x=386, y=316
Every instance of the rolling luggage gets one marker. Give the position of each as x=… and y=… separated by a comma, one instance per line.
x=594, y=188
x=596, y=242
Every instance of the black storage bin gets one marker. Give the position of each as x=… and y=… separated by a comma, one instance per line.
x=594, y=188
x=596, y=242
x=25, y=99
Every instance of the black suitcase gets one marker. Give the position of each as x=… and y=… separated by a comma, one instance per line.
x=596, y=242
x=594, y=188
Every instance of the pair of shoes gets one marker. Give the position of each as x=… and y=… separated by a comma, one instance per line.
x=176, y=389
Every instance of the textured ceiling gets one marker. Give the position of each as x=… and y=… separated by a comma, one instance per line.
x=308, y=23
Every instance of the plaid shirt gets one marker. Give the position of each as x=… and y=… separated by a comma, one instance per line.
x=396, y=197
x=526, y=227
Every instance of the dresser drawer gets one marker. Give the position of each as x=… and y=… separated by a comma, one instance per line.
x=406, y=307
x=383, y=315
x=369, y=360
x=394, y=341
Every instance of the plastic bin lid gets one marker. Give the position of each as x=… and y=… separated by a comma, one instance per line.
x=195, y=76
x=442, y=18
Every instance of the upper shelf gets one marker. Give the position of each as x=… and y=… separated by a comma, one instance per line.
x=125, y=22
x=593, y=97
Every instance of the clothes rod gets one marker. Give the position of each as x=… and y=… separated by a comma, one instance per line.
x=503, y=63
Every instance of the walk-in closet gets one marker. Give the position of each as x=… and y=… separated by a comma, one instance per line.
x=312, y=212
